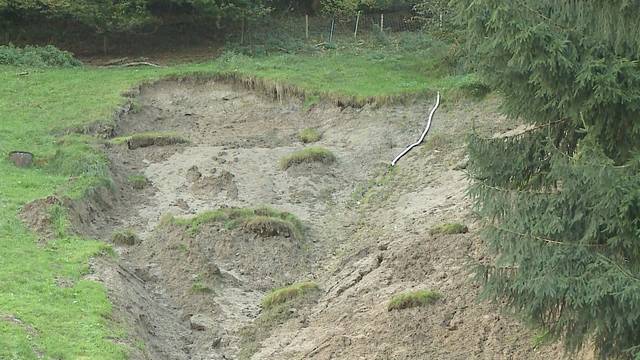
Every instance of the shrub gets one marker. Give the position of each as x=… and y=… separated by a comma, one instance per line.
x=449, y=229
x=309, y=135
x=413, y=299
x=36, y=56
x=308, y=155
x=282, y=295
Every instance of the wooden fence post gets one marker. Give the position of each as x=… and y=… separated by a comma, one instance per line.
x=333, y=24
x=306, y=28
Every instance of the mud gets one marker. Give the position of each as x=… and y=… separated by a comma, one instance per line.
x=190, y=295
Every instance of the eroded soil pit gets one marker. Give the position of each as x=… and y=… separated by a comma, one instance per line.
x=193, y=292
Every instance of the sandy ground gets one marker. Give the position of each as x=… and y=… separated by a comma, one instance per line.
x=367, y=231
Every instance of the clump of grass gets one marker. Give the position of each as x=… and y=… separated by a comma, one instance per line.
x=309, y=135
x=125, y=237
x=146, y=139
x=449, y=229
x=138, y=181
x=282, y=295
x=308, y=155
x=200, y=288
x=413, y=299
x=261, y=221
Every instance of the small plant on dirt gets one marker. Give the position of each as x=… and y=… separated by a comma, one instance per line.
x=309, y=135
x=146, y=139
x=125, y=237
x=138, y=182
x=200, y=288
x=449, y=229
x=413, y=299
x=308, y=155
x=262, y=221
x=282, y=295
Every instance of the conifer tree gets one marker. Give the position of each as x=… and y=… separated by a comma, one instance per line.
x=560, y=201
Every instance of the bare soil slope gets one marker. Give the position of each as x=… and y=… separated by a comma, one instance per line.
x=195, y=294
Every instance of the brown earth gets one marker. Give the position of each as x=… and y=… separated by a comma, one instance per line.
x=194, y=295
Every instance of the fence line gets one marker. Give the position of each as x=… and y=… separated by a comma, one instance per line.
x=320, y=28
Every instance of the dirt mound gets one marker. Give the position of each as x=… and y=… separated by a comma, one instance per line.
x=37, y=216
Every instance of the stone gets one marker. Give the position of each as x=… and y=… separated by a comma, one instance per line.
x=21, y=159
x=201, y=322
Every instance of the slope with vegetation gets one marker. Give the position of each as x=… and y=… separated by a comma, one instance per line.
x=560, y=198
x=46, y=110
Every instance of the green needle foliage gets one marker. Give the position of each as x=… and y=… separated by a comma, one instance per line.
x=561, y=200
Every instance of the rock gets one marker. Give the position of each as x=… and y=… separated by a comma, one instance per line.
x=201, y=322
x=21, y=159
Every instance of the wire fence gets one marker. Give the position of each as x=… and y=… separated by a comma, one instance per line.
x=320, y=28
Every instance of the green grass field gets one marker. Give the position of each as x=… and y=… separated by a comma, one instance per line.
x=36, y=315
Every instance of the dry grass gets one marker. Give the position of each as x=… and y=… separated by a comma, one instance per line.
x=282, y=295
x=309, y=135
x=449, y=229
x=413, y=299
x=147, y=139
x=125, y=237
x=307, y=155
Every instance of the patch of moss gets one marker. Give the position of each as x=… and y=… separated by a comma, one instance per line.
x=307, y=155
x=413, y=299
x=449, y=229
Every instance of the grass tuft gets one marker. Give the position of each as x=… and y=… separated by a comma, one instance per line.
x=449, y=229
x=125, y=237
x=138, y=181
x=285, y=294
x=308, y=155
x=146, y=139
x=309, y=135
x=413, y=299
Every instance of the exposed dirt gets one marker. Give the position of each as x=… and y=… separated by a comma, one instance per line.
x=189, y=295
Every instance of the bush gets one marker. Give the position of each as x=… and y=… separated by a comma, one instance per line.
x=413, y=299
x=282, y=295
x=36, y=56
x=308, y=155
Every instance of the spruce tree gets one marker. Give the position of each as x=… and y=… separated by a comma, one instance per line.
x=560, y=201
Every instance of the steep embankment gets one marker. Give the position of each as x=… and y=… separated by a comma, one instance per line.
x=192, y=284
